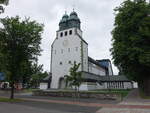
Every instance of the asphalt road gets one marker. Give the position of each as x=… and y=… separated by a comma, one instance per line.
x=48, y=107
x=43, y=107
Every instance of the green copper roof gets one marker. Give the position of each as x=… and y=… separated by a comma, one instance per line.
x=73, y=13
x=64, y=18
x=74, y=16
x=69, y=21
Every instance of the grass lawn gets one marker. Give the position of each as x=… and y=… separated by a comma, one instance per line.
x=9, y=100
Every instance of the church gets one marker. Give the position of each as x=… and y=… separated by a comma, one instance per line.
x=68, y=47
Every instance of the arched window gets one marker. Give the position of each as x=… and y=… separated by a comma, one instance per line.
x=66, y=33
x=70, y=32
x=61, y=34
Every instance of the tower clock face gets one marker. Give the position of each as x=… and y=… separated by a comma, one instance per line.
x=65, y=43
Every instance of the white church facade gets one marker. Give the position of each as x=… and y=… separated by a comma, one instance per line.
x=68, y=47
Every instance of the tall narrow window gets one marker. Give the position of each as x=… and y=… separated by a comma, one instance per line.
x=60, y=63
x=69, y=62
x=68, y=49
x=76, y=48
x=61, y=34
x=61, y=50
x=66, y=33
x=70, y=32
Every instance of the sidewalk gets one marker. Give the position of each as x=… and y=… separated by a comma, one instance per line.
x=131, y=104
x=125, y=110
x=134, y=98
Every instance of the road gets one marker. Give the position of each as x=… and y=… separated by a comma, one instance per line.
x=41, y=104
x=43, y=107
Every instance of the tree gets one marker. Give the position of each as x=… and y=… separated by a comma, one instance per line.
x=20, y=44
x=5, y=2
x=36, y=75
x=26, y=73
x=37, y=78
x=75, y=77
x=131, y=42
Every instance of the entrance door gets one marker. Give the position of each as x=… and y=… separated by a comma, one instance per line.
x=61, y=83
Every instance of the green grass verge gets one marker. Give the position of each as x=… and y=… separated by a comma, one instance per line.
x=28, y=90
x=10, y=100
x=122, y=92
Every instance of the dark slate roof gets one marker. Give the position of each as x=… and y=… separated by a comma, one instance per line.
x=114, y=78
x=104, y=78
x=96, y=62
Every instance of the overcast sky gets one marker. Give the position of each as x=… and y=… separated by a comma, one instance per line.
x=97, y=19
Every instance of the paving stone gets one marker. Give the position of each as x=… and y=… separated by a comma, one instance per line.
x=123, y=110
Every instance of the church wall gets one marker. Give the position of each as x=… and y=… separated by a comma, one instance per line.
x=79, y=32
x=96, y=69
x=85, y=56
x=65, y=50
x=110, y=72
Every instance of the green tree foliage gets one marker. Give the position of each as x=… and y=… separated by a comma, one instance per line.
x=32, y=75
x=4, y=2
x=131, y=42
x=75, y=77
x=20, y=45
x=37, y=78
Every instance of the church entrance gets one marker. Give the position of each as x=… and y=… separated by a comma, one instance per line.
x=61, y=83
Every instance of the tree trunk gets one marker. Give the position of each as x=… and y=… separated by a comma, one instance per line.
x=144, y=86
x=12, y=91
x=75, y=91
x=78, y=92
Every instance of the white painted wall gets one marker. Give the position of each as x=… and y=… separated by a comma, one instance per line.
x=85, y=56
x=135, y=84
x=88, y=86
x=83, y=87
x=128, y=85
x=110, y=71
x=96, y=69
x=43, y=85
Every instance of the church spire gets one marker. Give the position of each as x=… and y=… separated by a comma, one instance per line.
x=73, y=5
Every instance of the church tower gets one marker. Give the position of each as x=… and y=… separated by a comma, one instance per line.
x=67, y=48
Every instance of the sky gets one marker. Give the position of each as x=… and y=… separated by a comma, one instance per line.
x=97, y=19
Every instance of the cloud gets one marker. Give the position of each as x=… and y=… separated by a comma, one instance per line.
x=96, y=16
